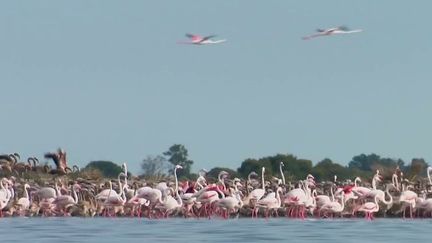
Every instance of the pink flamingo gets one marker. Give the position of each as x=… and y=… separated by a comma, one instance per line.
x=23, y=203
x=256, y=194
x=334, y=206
x=408, y=199
x=332, y=31
x=170, y=203
x=200, y=40
x=63, y=201
x=369, y=208
x=270, y=203
x=229, y=204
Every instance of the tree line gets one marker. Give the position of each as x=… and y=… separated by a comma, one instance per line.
x=363, y=165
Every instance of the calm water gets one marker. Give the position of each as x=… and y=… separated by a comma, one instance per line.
x=214, y=230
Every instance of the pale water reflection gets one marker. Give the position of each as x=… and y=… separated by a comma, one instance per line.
x=214, y=230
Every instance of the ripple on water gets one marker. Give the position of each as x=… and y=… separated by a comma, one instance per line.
x=215, y=230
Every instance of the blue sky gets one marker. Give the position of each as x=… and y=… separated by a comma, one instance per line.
x=106, y=80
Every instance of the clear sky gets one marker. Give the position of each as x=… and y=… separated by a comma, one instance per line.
x=106, y=80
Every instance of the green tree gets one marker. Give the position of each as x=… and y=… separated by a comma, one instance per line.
x=178, y=155
x=327, y=169
x=155, y=166
x=417, y=168
x=213, y=173
x=364, y=162
x=250, y=165
x=107, y=168
x=294, y=168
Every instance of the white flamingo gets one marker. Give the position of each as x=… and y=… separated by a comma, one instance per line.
x=4, y=196
x=408, y=199
x=334, y=206
x=332, y=31
x=297, y=199
x=270, y=203
x=281, y=172
x=258, y=193
x=429, y=169
x=23, y=203
x=369, y=208
x=103, y=195
x=63, y=201
x=170, y=203
x=200, y=40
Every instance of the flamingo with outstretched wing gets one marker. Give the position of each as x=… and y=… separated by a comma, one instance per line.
x=200, y=40
x=332, y=31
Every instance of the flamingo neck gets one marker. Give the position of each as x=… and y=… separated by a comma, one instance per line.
x=57, y=189
x=75, y=194
x=282, y=174
x=262, y=178
x=176, y=180
x=429, y=169
x=26, y=192
x=355, y=181
x=343, y=201
x=374, y=182
x=125, y=172
x=111, y=189
x=120, y=184
x=331, y=193
x=220, y=192
x=391, y=198
x=278, y=196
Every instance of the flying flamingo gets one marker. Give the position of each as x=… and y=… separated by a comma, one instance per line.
x=200, y=40
x=332, y=31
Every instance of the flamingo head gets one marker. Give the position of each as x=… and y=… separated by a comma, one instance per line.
x=223, y=173
x=253, y=173
x=282, y=163
x=343, y=28
x=202, y=172
x=178, y=167
x=77, y=187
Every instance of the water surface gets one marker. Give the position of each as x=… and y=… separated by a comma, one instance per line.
x=215, y=230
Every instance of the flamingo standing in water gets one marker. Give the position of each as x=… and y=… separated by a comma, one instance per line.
x=334, y=206
x=23, y=203
x=408, y=198
x=4, y=196
x=270, y=203
x=369, y=208
x=429, y=169
x=170, y=203
x=256, y=194
x=63, y=201
x=200, y=40
x=332, y=31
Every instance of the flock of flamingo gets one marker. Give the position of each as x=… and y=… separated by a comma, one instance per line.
x=227, y=197
x=207, y=40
